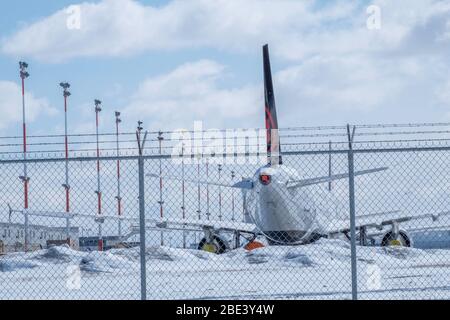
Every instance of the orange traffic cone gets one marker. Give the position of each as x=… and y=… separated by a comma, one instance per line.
x=253, y=245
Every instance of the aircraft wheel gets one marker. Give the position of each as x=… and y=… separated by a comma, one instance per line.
x=217, y=246
x=402, y=240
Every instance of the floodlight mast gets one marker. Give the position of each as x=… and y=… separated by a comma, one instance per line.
x=98, y=109
x=119, y=196
x=66, y=184
x=25, y=179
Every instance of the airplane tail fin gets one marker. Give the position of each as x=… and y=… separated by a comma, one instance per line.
x=273, y=138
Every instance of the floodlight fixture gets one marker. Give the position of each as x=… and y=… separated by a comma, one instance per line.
x=23, y=70
x=97, y=105
x=118, y=120
x=65, y=86
x=23, y=65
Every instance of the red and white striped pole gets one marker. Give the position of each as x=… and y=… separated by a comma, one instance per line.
x=66, y=184
x=25, y=179
x=161, y=201
x=98, y=109
x=119, y=196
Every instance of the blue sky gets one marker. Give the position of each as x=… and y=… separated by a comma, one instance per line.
x=172, y=62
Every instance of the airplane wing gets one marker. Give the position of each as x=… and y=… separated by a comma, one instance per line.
x=180, y=224
x=171, y=224
x=245, y=184
x=380, y=220
x=67, y=215
x=324, y=179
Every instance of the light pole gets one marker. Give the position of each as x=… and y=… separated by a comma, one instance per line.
x=25, y=179
x=98, y=109
x=119, y=195
x=66, y=184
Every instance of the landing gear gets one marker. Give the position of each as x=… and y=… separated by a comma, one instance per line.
x=216, y=245
x=401, y=240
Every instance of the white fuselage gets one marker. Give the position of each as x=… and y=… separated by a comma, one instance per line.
x=284, y=215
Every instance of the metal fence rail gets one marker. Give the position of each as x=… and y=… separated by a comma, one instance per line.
x=384, y=234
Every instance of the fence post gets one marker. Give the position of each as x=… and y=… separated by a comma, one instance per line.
x=351, y=180
x=141, y=170
x=161, y=201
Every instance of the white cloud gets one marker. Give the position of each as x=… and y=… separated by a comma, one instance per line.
x=335, y=67
x=354, y=88
x=351, y=82
x=295, y=29
x=11, y=105
x=192, y=92
x=123, y=27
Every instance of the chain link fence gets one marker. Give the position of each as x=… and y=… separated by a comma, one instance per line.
x=367, y=220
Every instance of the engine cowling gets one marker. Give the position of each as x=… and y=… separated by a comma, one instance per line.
x=403, y=239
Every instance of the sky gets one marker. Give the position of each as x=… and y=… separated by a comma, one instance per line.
x=172, y=62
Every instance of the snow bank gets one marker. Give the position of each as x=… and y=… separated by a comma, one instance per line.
x=10, y=265
x=317, y=270
x=323, y=253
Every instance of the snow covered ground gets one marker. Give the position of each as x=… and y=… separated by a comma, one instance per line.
x=316, y=271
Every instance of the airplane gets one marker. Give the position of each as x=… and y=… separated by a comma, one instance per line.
x=279, y=206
